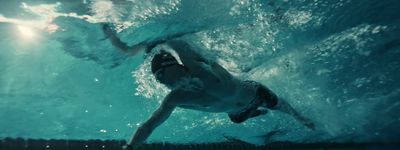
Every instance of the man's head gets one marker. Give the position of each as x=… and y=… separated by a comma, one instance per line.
x=162, y=60
x=166, y=68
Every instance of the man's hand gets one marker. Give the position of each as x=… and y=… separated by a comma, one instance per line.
x=158, y=117
x=108, y=30
x=127, y=147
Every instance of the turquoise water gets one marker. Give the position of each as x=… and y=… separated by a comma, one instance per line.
x=336, y=62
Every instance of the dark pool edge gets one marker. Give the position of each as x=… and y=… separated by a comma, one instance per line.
x=62, y=144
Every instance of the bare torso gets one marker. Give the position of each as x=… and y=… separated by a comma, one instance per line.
x=206, y=85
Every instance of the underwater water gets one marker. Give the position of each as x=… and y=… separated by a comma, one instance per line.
x=337, y=62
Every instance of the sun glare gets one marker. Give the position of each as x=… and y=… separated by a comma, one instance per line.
x=26, y=32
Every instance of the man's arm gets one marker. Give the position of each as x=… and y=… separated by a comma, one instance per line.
x=147, y=45
x=158, y=117
x=116, y=41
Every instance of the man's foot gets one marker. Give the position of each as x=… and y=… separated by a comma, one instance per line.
x=307, y=122
x=127, y=147
x=285, y=107
x=259, y=112
x=310, y=125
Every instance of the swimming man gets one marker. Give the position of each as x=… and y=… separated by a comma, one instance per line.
x=200, y=84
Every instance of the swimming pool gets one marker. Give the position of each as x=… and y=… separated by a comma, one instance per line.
x=336, y=62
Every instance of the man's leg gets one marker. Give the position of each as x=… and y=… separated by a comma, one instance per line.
x=271, y=101
x=285, y=107
x=249, y=113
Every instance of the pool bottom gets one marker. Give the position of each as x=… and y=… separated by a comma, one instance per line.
x=40, y=144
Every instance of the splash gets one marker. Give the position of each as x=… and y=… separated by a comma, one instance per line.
x=147, y=83
x=102, y=11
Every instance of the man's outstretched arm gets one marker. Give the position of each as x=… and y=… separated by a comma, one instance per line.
x=147, y=45
x=158, y=117
x=116, y=41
